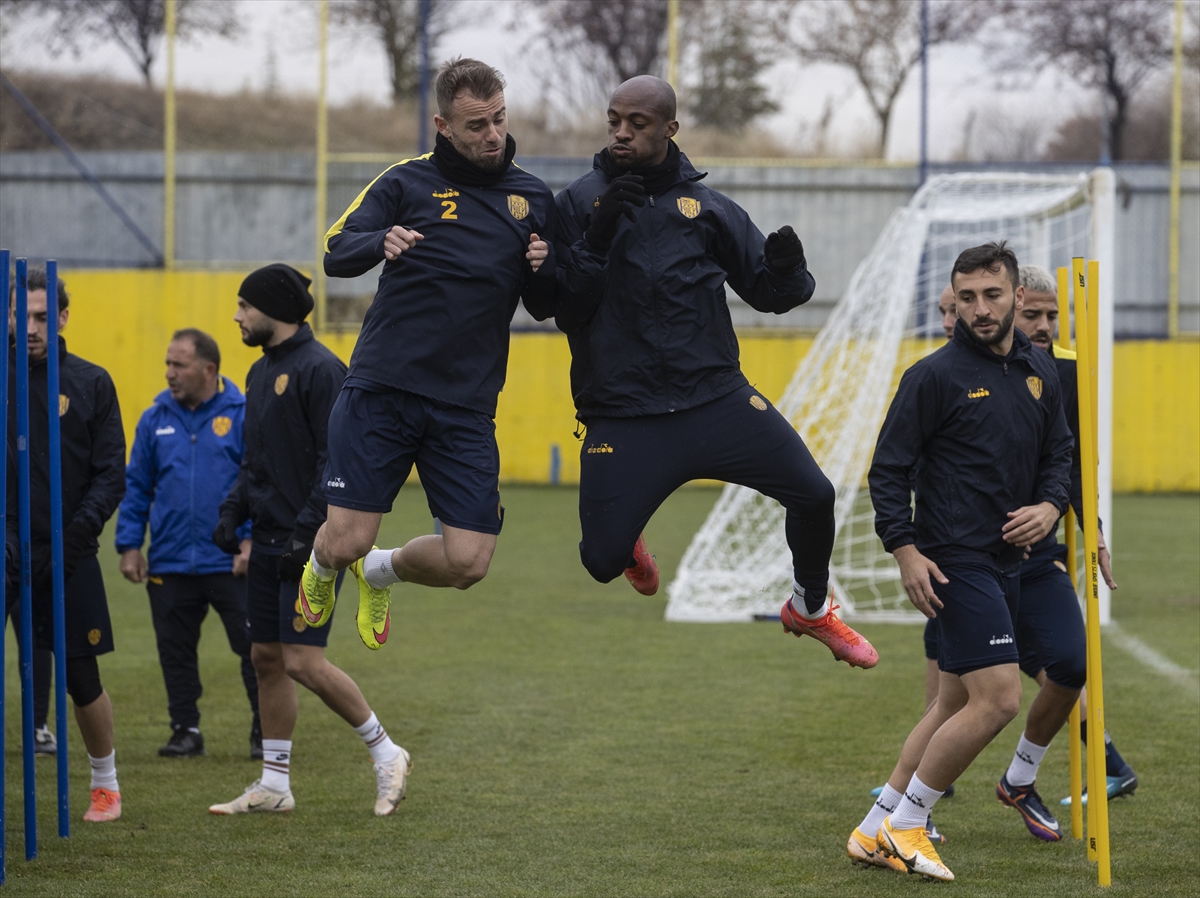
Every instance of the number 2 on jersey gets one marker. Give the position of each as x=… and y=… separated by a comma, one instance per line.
x=450, y=209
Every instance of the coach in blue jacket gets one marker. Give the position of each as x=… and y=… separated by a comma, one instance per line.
x=186, y=454
x=654, y=367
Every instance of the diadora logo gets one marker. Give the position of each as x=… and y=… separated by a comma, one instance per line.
x=602, y=449
x=1000, y=640
x=336, y=482
x=446, y=194
x=914, y=799
x=164, y=431
x=977, y=394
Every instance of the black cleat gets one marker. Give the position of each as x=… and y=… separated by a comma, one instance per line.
x=183, y=744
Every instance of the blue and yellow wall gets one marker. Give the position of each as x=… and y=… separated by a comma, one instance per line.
x=123, y=321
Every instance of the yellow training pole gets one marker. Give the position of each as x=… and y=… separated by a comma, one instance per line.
x=169, y=143
x=1176, y=161
x=322, y=180
x=1076, y=743
x=673, y=43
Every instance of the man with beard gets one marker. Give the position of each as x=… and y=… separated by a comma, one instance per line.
x=980, y=423
x=463, y=235
x=654, y=369
x=289, y=392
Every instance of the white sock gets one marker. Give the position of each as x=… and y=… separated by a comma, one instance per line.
x=377, y=569
x=378, y=742
x=322, y=572
x=915, y=806
x=884, y=805
x=277, y=764
x=1026, y=760
x=104, y=772
x=801, y=609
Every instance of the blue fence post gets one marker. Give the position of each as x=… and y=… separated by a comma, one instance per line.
x=54, y=410
x=23, y=511
x=4, y=531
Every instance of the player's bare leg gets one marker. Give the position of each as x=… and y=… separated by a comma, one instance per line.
x=455, y=557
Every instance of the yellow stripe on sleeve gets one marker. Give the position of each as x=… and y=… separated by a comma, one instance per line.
x=341, y=222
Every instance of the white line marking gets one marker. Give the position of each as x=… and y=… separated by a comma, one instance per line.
x=1153, y=659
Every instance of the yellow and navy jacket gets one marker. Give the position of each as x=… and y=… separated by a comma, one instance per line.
x=648, y=320
x=983, y=435
x=182, y=465
x=439, y=323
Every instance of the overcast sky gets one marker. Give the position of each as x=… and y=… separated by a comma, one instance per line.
x=286, y=31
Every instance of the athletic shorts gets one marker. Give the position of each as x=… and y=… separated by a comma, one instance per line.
x=931, y=638
x=975, y=626
x=88, y=628
x=1050, y=629
x=376, y=438
x=271, y=605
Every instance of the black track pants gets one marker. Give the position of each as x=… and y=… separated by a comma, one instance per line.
x=629, y=466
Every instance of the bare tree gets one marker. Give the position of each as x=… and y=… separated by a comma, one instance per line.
x=1101, y=44
x=614, y=39
x=396, y=24
x=879, y=41
x=136, y=26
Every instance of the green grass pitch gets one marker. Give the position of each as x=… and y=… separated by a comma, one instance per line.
x=568, y=741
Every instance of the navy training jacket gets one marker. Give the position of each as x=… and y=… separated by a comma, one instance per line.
x=648, y=321
x=182, y=464
x=990, y=437
x=439, y=323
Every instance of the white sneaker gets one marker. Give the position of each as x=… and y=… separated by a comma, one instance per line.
x=257, y=799
x=44, y=742
x=390, y=778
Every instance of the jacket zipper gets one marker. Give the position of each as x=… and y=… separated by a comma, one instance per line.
x=662, y=358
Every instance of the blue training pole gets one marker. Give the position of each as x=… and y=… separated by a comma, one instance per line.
x=26, y=635
x=53, y=411
x=4, y=531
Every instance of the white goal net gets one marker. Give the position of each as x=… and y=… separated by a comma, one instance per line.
x=738, y=566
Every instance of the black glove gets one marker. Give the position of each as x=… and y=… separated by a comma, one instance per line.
x=295, y=555
x=622, y=195
x=77, y=542
x=784, y=251
x=226, y=537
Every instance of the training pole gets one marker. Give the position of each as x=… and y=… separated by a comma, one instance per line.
x=1075, y=740
x=23, y=512
x=54, y=411
x=4, y=530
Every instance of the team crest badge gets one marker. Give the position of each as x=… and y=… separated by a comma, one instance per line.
x=64, y=403
x=281, y=383
x=94, y=637
x=688, y=206
x=759, y=403
x=1035, y=386
x=221, y=425
x=518, y=206
x=299, y=624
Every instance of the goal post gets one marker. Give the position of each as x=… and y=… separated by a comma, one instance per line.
x=738, y=566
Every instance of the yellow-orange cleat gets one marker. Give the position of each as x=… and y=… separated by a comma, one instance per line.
x=316, y=597
x=105, y=806
x=912, y=846
x=845, y=643
x=864, y=850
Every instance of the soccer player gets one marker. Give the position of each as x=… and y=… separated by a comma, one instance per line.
x=980, y=422
x=289, y=392
x=654, y=368
x=460, y=232
x=93, y=482
x=186, y=453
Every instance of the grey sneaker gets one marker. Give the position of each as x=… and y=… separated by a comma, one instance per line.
x=44, y=742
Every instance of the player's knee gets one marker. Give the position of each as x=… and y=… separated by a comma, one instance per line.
x=83, y=680
x=1069, y=673
x=341, y=549
x=603, y=563
x=465, y=573
x=1007, y=705
x=267, y=658
x=815, y=499
x=299, y=667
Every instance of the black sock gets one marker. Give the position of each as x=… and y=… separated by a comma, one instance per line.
x=814, y=598
x=1114, y=764
x=1083, y=731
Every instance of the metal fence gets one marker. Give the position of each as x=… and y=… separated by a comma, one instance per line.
x=237, y=209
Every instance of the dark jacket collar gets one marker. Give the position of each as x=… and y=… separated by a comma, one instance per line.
x=457, y=168
x=1020, y=350
x=657, y=179
x=298, y=339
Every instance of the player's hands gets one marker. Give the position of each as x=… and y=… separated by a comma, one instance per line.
x=915, y=573
x=1104, y=560
x=241, y=561
x=619, y=199
x=133, y=565
x=539, y=249
x=784, y=251
x=1030, y=524
x=226, y=537
x=398, y=240
x=295, y=555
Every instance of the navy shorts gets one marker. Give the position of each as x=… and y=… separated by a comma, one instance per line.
x=87, y=626
x=1050, y=629
x=975, y=628
x=271, y=605
x=376, y=438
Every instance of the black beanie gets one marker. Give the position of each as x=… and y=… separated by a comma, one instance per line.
x=278, y=291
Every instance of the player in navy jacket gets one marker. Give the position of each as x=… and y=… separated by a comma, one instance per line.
x=186, y=452
x=654, y=358
x=463, y=234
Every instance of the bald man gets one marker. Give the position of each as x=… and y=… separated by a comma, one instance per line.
x=646, y=252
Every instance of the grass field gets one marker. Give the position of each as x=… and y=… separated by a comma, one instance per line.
x=567, y=741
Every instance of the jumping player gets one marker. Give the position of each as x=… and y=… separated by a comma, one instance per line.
x=980, y=424
x=460, y=232
x=654, y=368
